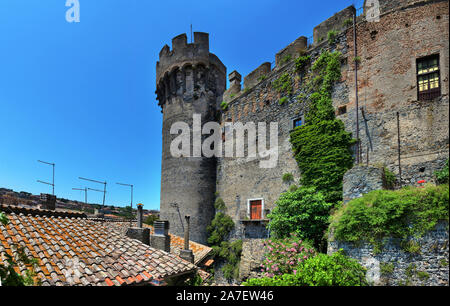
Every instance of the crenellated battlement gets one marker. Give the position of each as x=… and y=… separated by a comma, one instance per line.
x=188, y=69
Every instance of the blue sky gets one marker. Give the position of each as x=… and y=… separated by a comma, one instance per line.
x=81, y=95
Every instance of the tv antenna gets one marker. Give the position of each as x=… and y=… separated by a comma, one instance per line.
x=53, y=180
x=131, y=203
x=104, y=188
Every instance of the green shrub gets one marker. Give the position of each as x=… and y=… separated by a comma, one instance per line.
x=224, y=105
x=286, y=59
x=218, y=231
x=422, y=275
x=219, y=204
x=150, y=219
x=283, y=100
x=389, y=178
x=386, y=268
x=219, y=228
x=288, y=177
x=283, y=84
x=332, y=36
x=231, y=253
x=303, y=212
x=347, y=22
x=320, y=270
x=301, y=62
x=411, y=246
x=442, y=175
x=293, y=188
x=409, y=212
x=262, y=78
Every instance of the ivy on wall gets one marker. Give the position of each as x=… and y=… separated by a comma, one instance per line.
x=219, y=230
x=322, y=147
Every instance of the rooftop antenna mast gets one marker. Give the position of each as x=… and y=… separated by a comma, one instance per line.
x=131, y=203
x=85, y=193
x=104, y=188
x=53, y=180
x=191, y=33
x=98, y=191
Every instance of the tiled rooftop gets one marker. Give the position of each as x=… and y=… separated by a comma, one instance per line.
x=200, y=251
x=73, y=250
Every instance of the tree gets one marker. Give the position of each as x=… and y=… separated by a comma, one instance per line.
x=150, y=219
x=303, y=212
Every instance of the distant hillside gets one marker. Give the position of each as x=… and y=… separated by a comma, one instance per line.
x=26, y=199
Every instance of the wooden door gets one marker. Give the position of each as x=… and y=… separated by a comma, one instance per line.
x=256, y=210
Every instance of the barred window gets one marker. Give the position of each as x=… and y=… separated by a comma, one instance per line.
x=428, y=79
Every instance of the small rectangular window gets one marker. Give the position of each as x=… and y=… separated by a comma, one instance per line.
x=297, y=122
x=342, y=110
x=428, y=78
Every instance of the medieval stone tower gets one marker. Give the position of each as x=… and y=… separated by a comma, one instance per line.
x=189, y=80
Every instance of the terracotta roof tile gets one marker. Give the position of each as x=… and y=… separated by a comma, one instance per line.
x=73, y=250
x=200, y=251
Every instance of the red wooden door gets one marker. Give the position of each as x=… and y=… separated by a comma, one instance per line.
x=255, y=210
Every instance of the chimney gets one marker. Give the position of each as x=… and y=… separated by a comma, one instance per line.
x=160, y=239
x=187, y=254
x=48, y=201
x=140, y=215
x=139, y=233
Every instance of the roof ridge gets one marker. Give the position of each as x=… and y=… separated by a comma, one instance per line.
x=40, y=212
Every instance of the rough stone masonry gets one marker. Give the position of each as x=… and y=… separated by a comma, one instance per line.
x=191, y=79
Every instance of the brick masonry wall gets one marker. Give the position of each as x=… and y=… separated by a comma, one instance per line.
x=429, y=268
x=387, y=84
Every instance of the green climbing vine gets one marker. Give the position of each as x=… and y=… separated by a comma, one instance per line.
x=219, y=230
x=322, y=147
x=283, y=84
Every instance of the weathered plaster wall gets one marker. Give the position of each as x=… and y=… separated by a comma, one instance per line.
x=387, y=84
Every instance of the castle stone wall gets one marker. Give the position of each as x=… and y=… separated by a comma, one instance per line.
x=395, y=267
x=387, y=84
x=242, y=179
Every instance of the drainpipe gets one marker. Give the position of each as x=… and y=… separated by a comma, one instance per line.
x=399, y=150
x=186, y=233
x=355, y=45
